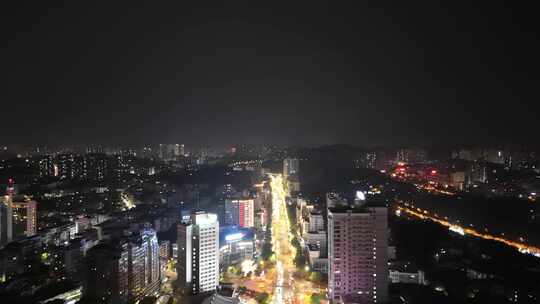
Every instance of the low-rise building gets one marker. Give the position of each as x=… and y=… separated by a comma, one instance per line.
x=397, y=276
x=235, y=245
x=317, y=237
x=405, y=272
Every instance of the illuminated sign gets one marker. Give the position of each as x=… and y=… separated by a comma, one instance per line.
x=360, y=196
x=234, y=237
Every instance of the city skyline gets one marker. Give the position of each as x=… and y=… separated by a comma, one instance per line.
x=324, y=225
x=365, y=152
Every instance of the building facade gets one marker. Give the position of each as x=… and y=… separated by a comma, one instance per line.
x=291, y=166
x=6, y=218
x=124, y=270
x=144, y=265
x=106, y=275
x=235, y=245
x=316, y=221
x=198, y=253
x=24, y=218
x=240, y=212
x=357, y=254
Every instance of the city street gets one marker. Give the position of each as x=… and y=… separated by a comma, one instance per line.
x=281, y=243
x=280, y=281
x=287, y=288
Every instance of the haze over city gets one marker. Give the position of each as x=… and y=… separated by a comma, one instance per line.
x=259, y=153
x=321, y=73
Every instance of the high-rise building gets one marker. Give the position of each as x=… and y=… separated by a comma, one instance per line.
x=164, y=251
x=66, y=166
x=495, y=156
x=240, y=212
x=6, y=218
x=291, y=166
x=366, y=160
x=231, y=212
x=47, y=166
x=411, y=156
x=246, y=213
x=358, y=254
x=106, y=275
x=90, y=166
x=371, y=160
x=143, y=265
x=67, y=260
x=162, y=151
x=203, y=155
x=476, y=173
x=125, y=270
x=18, y=256
x=179, y=150
x=198, y=252
x=463, y=154
x=6, y=214
x=93, y=167
x=24, y=218
x=118, y=167
x=171, y=152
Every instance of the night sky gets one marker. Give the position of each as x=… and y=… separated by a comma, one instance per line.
x=305, y=73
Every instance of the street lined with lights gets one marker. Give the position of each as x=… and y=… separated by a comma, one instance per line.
x=282, y=281
x=425, y=215
x=281, y=243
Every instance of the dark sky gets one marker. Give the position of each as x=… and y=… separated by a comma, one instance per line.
x=304, y=73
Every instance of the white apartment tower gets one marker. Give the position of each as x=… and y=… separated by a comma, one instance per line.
x=198, y=252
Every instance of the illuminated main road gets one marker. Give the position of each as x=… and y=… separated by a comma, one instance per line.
x=281, y=281
x=281, y=244
x=426, y=215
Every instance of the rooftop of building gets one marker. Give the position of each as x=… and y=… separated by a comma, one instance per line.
x=315, y=212
x=314, y=247
x=111, y=247
x=18, y=245
x=235, y=233
x=358, y=208
x=200, y=217
x=219, y=299
x=403, y=266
